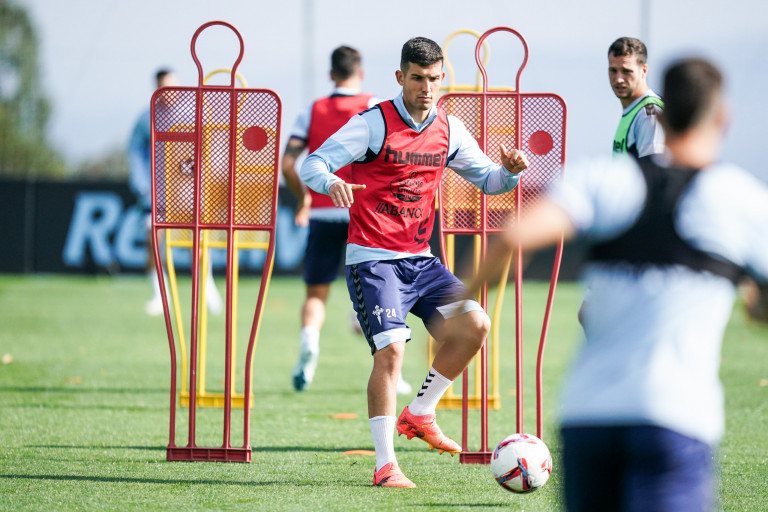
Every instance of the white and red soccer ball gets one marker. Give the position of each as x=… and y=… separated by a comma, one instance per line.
x=521, y=463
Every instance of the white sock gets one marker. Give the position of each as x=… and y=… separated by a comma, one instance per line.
x=152, y=276
x=212, y=295
x=310, y=339
x=383, y=432
x=434, y=387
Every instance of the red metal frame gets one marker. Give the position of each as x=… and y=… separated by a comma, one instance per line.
x=544, y=111
x=209, y=144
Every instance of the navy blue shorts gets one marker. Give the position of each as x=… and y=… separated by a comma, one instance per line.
x=326, y=246
x=384, y=292
x=636, y=468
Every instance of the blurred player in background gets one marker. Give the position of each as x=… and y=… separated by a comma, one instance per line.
x=398, y=151
x=328, y=225
x=140, y=165
x=639, y=132
x=642, y=406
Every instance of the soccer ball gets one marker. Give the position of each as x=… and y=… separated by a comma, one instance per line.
x=521, y=463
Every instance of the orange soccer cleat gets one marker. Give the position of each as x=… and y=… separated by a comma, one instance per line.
x=391, y=476
x=425, y=428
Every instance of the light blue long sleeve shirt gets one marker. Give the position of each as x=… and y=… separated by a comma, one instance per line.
x=140, y=160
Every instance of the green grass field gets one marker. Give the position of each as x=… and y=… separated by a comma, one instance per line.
x=85, y=389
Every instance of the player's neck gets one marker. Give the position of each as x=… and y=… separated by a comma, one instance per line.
x=625, y=102
x=418, y=116
x=699, y=146
x=695, y=149
x=351, y=83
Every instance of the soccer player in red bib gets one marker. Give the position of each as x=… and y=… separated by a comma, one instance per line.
x=398, y=151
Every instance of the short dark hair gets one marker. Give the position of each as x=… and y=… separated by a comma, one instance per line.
x=421, y=51
x=690, y=88
x=345, y=61
x=629, y=46
x=160, y=74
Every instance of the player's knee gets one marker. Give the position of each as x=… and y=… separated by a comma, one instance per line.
x=314, y=305
x=395, y=351
x=484, y=326
x=477, y=328
x=390, y=358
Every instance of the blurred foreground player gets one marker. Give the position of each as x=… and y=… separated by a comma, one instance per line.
x=642, y=406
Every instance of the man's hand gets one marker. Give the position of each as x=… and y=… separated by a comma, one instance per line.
x=302, y=213
x=341, y=193
x=514, y=161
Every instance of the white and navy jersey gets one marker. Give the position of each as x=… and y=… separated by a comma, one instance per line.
x=645, y=136
x=654, y=331
x=361, y=140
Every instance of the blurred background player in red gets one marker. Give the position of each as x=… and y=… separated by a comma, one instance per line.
x=328, y=225
x=398, y=151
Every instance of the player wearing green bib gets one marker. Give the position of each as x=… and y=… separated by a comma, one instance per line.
x=639, y=132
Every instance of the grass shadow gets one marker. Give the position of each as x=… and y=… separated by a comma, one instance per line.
x=50, y=389
x=129, y=480
x=90, y=447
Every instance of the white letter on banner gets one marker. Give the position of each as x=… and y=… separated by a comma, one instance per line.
x=93, y=220
x=131, y=240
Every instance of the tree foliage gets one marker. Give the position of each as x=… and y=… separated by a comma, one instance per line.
x=24, y=110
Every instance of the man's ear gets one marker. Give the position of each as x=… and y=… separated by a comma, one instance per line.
x=400, y=77
x=723, y=115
